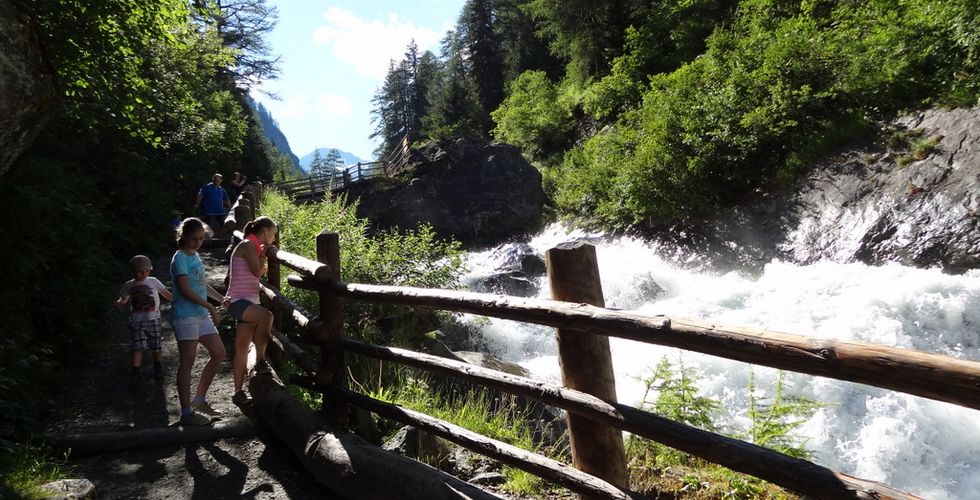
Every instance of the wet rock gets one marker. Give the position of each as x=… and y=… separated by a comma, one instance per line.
x=68, y=489
x=414, y=443
x=488, y=479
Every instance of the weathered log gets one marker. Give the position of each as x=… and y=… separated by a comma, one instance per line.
x=586, y=364
x=544, y=467
x=929, y=375
x=94, y=443
x=791, y=473
x=320, y=272
x=303, y=359
x=346, y=464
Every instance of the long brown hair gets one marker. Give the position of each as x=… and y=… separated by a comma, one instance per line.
x=189, y=226
x=254, y=226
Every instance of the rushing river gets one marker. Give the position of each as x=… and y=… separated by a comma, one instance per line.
x=926, y=447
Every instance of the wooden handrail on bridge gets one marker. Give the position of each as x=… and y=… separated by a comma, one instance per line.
x=308, y=188
x=924, y=374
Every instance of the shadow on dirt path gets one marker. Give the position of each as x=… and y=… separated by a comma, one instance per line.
x=99, y=398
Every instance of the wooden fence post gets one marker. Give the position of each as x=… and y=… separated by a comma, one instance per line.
x=333, y=370
x=586, y=364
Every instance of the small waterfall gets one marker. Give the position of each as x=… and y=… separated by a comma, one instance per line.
x=920, y=445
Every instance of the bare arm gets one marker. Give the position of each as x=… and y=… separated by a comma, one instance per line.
x=166, y=294
x=184, y=287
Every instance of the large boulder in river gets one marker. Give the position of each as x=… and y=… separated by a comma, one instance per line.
x=26, y=85
x=478, y=193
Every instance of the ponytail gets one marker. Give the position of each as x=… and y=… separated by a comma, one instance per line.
x=260, y=223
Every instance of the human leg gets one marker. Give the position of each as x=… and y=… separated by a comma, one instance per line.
x=187, y=350
x=262, y=319
x=216, y=350
x=243, y=337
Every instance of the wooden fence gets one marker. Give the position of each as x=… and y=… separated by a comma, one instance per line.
x=314, y=187
x=596, y=419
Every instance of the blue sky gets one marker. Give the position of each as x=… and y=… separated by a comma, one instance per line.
x=334, y=58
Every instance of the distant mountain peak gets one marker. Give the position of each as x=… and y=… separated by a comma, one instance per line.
x=348, y=158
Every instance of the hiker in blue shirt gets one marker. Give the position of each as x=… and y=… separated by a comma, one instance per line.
x=213, y=203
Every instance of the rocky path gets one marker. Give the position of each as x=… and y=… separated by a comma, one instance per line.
x=99, y=398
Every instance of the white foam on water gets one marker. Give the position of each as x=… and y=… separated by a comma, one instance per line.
x=927, y=447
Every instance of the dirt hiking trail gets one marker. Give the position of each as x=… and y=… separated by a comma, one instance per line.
x=99, y=397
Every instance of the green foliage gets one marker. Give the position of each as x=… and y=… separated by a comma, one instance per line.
x=141, y=122
x=779, y=86
x=410, y=258
x=476, y=411
x=678, y=397
x=773, y=422
x=27, y=467
x=536, y=116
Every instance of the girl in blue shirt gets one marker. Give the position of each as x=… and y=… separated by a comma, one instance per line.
x=194, y=320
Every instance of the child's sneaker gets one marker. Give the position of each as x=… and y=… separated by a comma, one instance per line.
x=195, y=419
x=158, y=371
x=241, y=399
x=206, y=409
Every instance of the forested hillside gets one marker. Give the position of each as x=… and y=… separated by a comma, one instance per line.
x=639, y=113
x=150, y=102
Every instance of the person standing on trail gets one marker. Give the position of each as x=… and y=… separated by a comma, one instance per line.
x=194, y=320
x=213, y=203
x=248, y=264
x=143, y=293
x=235, y=185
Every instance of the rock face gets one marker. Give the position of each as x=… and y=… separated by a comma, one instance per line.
x=480, y=194
x=26, y=89
x=915, y=202
x=918, y=207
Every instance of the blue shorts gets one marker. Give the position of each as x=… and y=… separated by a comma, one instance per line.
x=193, y=328
x=238, y=307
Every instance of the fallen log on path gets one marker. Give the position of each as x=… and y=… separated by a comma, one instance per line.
x=95, y=443
x=346, y=464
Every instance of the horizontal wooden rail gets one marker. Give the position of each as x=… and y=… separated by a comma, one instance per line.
x=538, y=465
x=792, y=473
x=929, y=375
x=795, y=474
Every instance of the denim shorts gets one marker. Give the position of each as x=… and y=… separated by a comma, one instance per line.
x=238, y=307
x=193, y=328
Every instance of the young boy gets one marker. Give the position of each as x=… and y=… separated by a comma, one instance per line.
x=143, y=294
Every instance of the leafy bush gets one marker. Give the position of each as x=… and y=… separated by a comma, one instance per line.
x=410, y=258
x=536, y=116
x=778, y=87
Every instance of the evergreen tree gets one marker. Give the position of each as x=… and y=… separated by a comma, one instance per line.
x=455, y=110
x=482, y=55
x=403, y=99
x=318, y=167
x=242, y=26
x=587, y=34
x=332, y=161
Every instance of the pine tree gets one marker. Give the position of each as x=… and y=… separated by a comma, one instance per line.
x=318, y=167
x=482, y=55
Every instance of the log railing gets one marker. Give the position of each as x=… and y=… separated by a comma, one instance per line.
x=923, y=374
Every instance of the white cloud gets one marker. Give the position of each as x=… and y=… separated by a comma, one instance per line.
x=292, y=107
x=333, y=104
x=368, y=46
